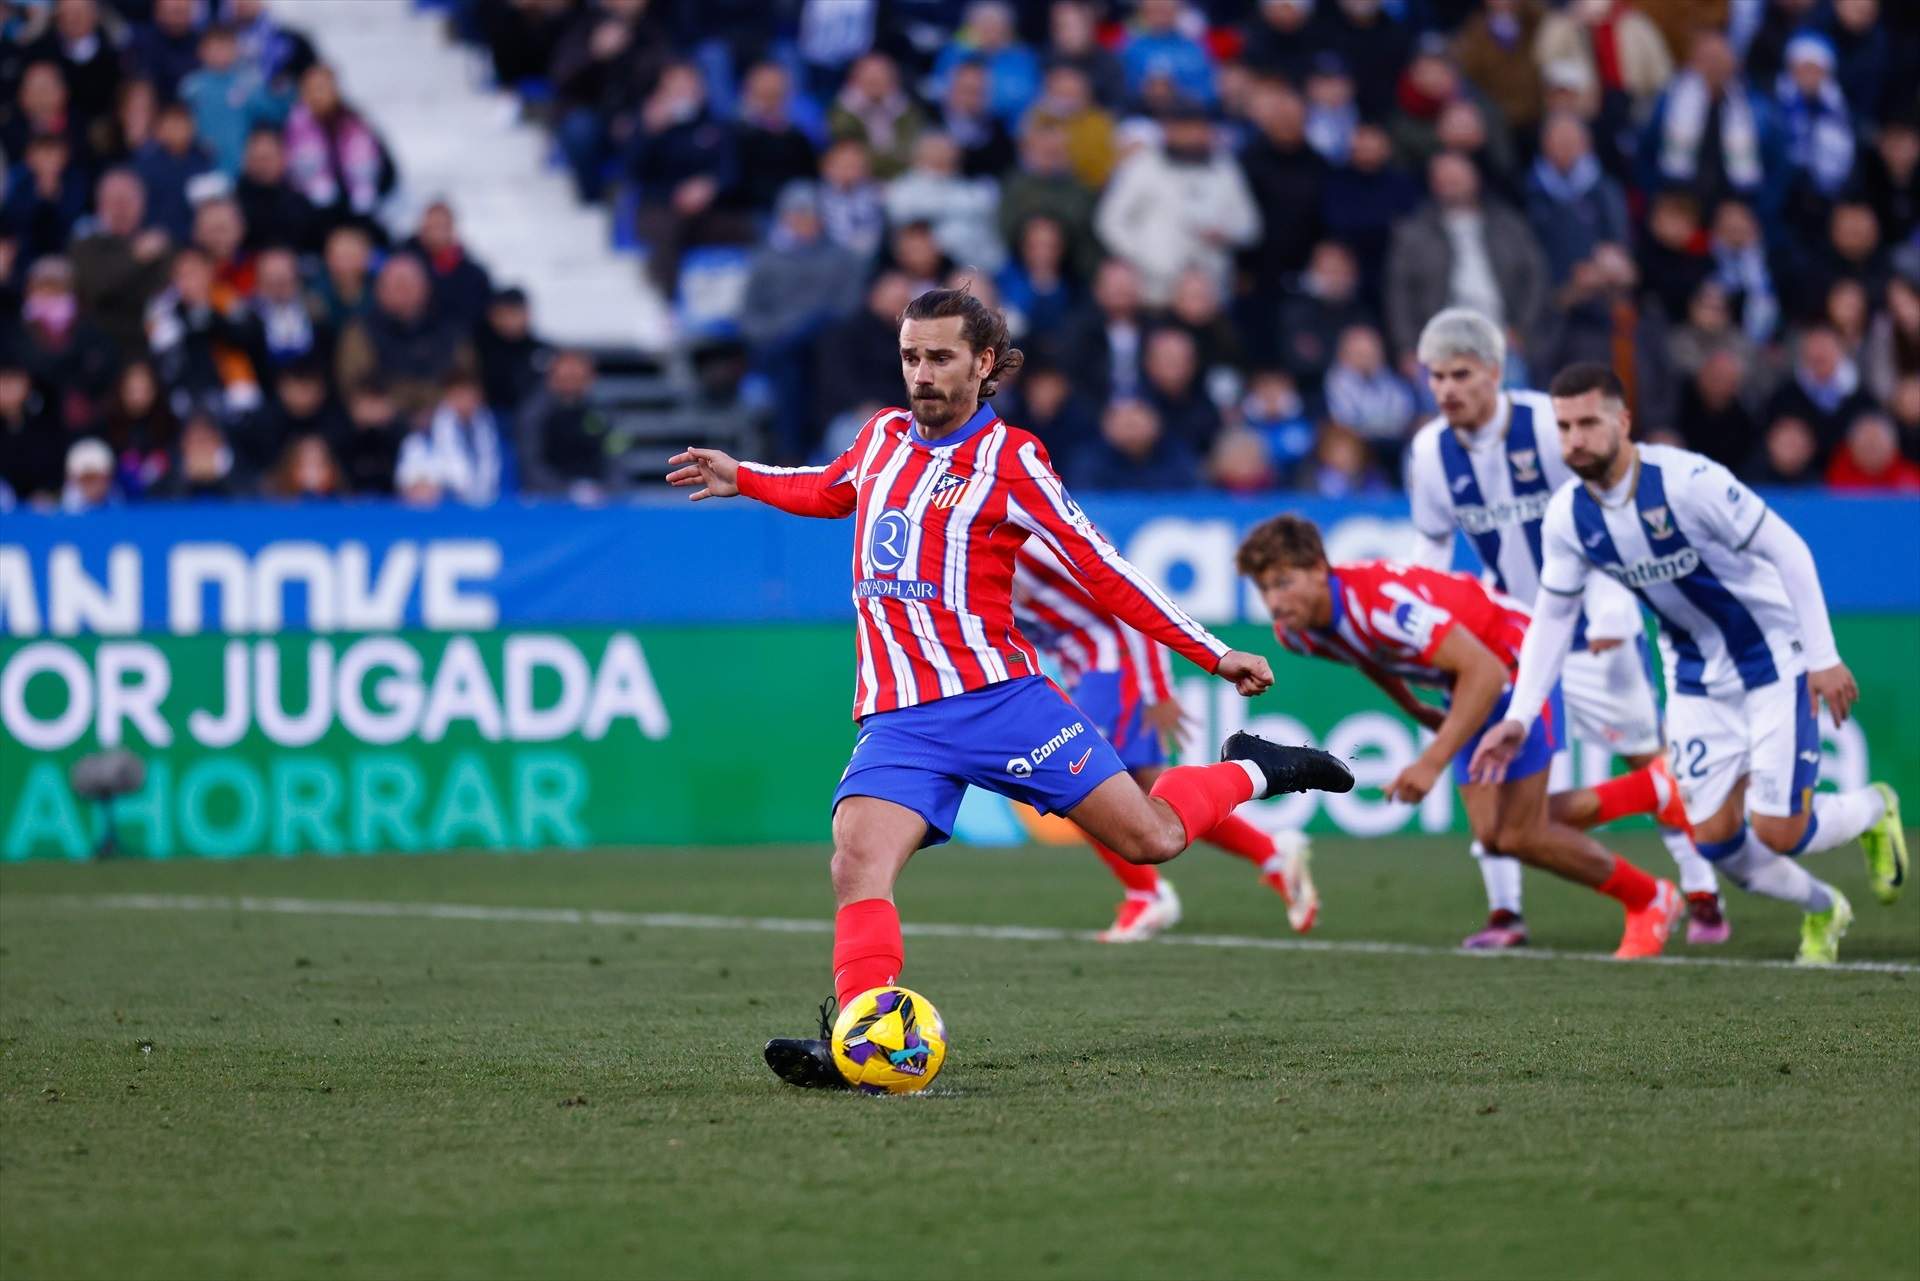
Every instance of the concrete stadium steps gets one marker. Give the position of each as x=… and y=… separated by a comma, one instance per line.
x=453, y=134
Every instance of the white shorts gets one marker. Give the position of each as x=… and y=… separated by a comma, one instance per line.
x=1610, y=699
x=1768, y=735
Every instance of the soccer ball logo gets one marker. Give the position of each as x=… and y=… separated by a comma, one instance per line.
x=889, y=1041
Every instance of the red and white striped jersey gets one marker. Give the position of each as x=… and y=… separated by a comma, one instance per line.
x=936, y=528
x=1079, y=633
x=1393, y=617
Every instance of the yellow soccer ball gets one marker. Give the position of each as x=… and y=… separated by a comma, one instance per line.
x=889, y=1040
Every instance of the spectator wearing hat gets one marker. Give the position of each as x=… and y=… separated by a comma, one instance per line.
x=511, y=357
x=961, y=210
x=1618, y=46
x=565, y=441
x=89, y=477
x=1462, y=250
x=1184, y=203
x=120, y=267
x=33, y=446
x=772, y=150
x=370, y=451
x=1869, y=460
x=798, y=283
x=461, y=286
x=1813, y=111
x=1157, y=49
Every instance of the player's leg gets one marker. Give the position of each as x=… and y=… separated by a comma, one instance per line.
x=1148, y=902
x=1506, y=925
x=1789, y=817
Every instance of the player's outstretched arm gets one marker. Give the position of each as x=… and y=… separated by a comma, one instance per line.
x=1828, y=680
x=1549, y=637
x=827, y=491
x=1478, y=679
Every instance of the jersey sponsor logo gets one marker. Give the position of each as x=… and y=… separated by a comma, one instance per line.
x=1659, y=521
x=1661, y=569
x=1039, y=755
x=1019, y=767
x=947, y=490
x=887, y=547
x=896, y=588
x=1483, y=518
x=1462, y=483
x=1411, y=621
x=1080, y=764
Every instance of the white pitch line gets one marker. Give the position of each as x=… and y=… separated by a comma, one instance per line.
x=789, y=925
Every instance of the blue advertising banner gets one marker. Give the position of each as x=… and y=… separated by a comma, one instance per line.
x=367, y=567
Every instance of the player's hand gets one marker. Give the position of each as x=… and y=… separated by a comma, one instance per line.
x=717, y=474
x=1601, y=644
x=1835, y=685
x=1168, y=720
x=1498, y=747
x=1248, y=673
x=1411, y=785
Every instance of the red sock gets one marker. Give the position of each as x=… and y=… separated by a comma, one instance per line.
x=1242, y=839
x=1203, y=795
x=1139, y=878
x=867, y=949
x=1633, y=887
x=1632, y=793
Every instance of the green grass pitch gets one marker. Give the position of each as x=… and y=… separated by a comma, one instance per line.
x=226, y=1093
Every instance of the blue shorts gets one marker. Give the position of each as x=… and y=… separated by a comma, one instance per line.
x=1098, y=695
x=1547, y=736
x=1021, y=738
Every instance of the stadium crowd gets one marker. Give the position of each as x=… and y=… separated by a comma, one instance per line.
x=1217, y=227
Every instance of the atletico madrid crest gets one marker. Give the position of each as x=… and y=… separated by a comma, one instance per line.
x=947, y=490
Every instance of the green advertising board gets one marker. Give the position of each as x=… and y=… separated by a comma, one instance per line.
x=348, y=743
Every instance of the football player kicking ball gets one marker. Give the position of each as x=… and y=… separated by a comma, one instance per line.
x=1124, y=683
x=948, y=691
x=1487, y=466
x=1748, y=651
x=1401, y=623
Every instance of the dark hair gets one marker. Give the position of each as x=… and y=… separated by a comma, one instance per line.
x=1578, y=380
x=983, y=328
x=1288, y=542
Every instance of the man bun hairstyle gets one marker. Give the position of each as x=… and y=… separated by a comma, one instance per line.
x=1578, y=380
x=983, y=328
x=1287, y=542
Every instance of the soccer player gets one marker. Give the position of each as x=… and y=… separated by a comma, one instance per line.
x=948, y=691
x=1747, y=646
x=1124, y=683
x=1487, y=466
x=1407, y=623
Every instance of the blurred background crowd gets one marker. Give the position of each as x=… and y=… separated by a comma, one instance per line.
x=1216, y=226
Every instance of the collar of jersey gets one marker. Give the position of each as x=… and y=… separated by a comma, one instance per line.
x=1630, y=486
x=981, y=417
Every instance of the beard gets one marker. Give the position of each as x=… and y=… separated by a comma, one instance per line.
x=1593, y=467
x=935, y=410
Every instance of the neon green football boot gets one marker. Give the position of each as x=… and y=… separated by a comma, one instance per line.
x=1821, y=932
x=1885, y=844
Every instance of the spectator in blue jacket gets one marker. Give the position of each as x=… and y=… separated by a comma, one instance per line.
x=1156, y=47
x=989, y=37
x=228, y=99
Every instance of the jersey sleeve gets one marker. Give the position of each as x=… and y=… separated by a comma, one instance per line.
x=1038, y=503
x=1564, y=569
x=829, y=492
x=1720, y=504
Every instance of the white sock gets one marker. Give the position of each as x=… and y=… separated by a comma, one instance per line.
x=1839, y=817
x=1259, y=779
x=1501, y=876
x=1696, y=874
x=1758, y=870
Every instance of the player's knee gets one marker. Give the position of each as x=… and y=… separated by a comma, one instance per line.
x=1781, y=835
x=855, y=868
